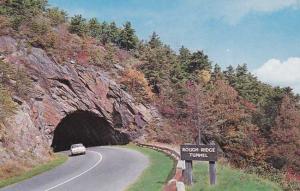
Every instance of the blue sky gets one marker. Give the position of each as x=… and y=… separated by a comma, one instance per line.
x=255, y=32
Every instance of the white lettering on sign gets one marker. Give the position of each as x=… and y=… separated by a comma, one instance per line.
x=204, y=155
x=208, y=150
x=190, y=149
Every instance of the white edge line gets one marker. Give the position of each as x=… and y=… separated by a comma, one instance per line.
x=80, y=173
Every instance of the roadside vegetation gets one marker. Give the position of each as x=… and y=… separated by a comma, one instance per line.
x=256, y=125
x=157, y=174
x=9, y=176
x=229, y=179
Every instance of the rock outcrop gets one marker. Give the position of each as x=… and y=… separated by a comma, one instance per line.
x=59, y=89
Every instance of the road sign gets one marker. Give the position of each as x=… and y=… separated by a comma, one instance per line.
x=198, y=152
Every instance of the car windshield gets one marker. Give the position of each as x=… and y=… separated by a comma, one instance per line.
x=76, y=145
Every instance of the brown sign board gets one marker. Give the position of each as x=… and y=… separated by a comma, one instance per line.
x=199, y=152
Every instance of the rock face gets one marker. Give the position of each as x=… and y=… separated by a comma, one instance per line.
x=58, y=91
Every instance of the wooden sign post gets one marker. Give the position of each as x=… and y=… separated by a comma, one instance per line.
x=200, y=153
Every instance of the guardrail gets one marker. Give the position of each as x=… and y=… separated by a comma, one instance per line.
x=174, y=184
x=168, y=151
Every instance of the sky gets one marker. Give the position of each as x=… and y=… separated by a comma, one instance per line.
x=264, y=34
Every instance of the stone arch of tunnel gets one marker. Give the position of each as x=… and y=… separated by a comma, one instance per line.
x=87, y=128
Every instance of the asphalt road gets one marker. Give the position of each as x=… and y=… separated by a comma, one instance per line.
x=101, y=169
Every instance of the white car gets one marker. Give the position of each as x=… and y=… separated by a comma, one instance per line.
x=77, y=149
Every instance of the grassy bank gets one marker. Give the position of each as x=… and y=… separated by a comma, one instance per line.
x=229, y=179
x=20, y=176
x=156, y=175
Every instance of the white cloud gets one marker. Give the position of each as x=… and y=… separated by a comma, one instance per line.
x=282, y=73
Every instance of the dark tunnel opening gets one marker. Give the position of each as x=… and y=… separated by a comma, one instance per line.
x=87, y=128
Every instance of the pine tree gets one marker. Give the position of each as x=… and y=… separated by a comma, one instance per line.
x=104, y=36
x=78, y=25
x=94, y=28
x=128, y=39
x=198, y=62
x=114, y=33
x=154, y=41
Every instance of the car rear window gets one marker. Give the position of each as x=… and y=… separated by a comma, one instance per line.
x=76, y=145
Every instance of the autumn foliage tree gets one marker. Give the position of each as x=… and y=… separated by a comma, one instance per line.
x=284, y=151
x=137, y=85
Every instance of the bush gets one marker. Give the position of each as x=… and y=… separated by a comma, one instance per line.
x=4, y=24
x=78, y=25
x=137, y=85
x=109, y=57
x=7, y=105
x=56, y=16
x=23, y=83
x=12, y=79
x=41, y=34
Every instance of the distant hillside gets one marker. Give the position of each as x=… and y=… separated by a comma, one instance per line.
x=257, y=126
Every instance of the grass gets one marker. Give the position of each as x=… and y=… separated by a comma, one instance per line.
x=157, y=174
x=229, y=179
x=57, y=160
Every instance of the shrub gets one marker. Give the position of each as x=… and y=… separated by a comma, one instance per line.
x=109, y=57
x=23, y=83
x=7, y=106
x=137, y=85
x=78, y=25
x=4, y=24
x=56, y=16
x=14, y=80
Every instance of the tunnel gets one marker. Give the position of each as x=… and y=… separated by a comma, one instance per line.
x=87, y=128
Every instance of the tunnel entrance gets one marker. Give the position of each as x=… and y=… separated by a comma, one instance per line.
x=87, y=128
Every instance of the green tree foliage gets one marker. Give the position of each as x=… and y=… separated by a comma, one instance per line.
x=56, y=16
x=113, y=33
x=94, y=28
x=128, y=39
x=248, y=86
x=198, y=61
x=78, y=25
x=157, y=63
x=22, y=10
x=106, y=33
x=191, y=64
x=109, y=57
x=154, y=41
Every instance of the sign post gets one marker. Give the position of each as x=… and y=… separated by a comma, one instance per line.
x=212, y=172
x=200, y=153
x=188, y=172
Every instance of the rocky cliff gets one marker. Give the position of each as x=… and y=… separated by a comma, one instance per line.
x=68, y=102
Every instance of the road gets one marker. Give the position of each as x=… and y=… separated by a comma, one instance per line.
x=101, y=169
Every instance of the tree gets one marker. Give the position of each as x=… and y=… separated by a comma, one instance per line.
x=137, y=85
x=154, y=41
x=104, y=35
x=184, y=55
x=217, y=73
x=20, y=10
x=78, y=25
x=285, y=136
x=94, y=28
x=241, y=70
x=128, y=39
x=56, y=16
x=199, y=61
x=113, y=33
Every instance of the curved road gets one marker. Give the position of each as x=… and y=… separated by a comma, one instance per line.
x=101, y=169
